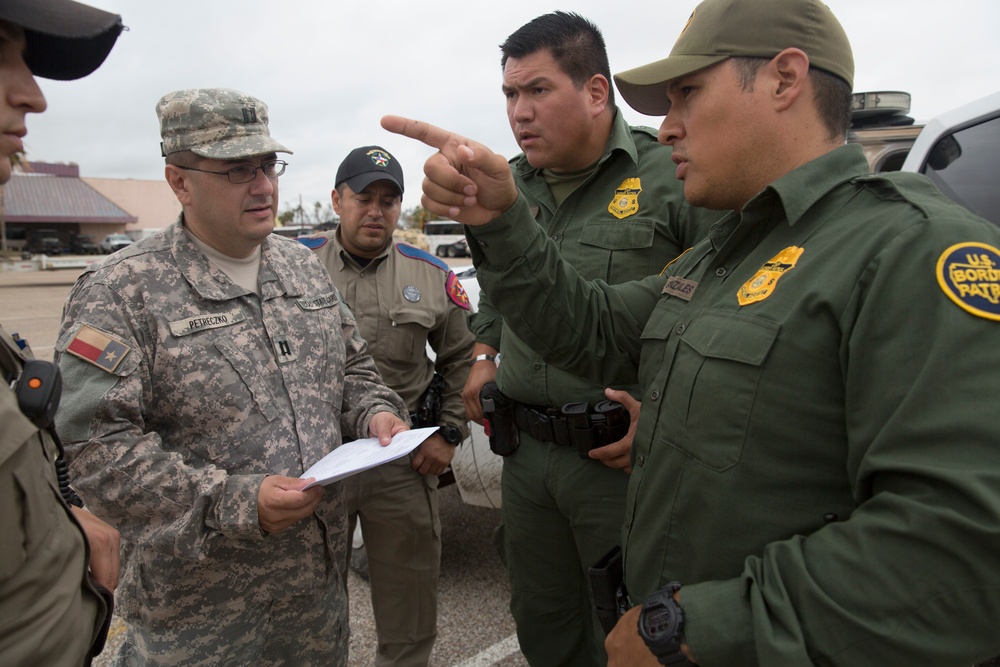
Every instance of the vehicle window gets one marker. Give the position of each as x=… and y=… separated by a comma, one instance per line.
x=963, y=165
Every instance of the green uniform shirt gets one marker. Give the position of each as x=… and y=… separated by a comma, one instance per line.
x=818, y=457
x=624, y=223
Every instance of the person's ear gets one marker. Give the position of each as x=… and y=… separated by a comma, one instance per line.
x=178, y=181
x=790, y=73
x=598, y=88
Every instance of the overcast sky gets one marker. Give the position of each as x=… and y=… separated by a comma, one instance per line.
x=328, y=70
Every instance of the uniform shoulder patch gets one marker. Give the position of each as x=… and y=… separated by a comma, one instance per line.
x=969, y=275
x=413, y=252
x=313, y=242
x=456, y=292
x=98, y=348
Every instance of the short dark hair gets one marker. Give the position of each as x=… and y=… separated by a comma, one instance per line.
x=575, y=43
x=832, y=95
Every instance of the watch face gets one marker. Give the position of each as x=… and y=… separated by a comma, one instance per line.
x=659, y=623
x=451, y=434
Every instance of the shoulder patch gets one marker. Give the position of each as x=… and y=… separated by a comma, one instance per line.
x=456, y=292
x=98, y=348
x=313, y=242
x=413, y=252
x=968, y=274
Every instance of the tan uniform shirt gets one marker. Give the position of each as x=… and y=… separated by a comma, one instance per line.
x=49, y=612
x=403, y=300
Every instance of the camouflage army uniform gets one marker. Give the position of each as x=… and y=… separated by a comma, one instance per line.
x=183, y=391
x=404, y=298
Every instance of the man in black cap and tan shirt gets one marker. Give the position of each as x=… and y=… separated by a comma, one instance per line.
x=817, y=458
x=403, y=299
x=54, y=558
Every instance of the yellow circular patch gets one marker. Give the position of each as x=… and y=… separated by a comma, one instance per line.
x=969, y=274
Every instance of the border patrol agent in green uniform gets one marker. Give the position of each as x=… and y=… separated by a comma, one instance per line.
x=51, y=610
x=817, y=459
x=613, y=217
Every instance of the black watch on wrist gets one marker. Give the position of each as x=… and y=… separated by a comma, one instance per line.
x=661, y=625
x=451, y=434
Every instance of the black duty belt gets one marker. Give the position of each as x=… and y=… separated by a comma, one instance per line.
x=574, y=424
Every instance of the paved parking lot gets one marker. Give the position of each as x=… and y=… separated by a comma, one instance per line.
x=474, y=625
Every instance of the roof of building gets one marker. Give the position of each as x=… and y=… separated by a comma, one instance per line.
x=46, y=197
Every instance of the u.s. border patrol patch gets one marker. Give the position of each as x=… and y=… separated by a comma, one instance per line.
x=626, y=199
x=766, y=279
x=969, y=274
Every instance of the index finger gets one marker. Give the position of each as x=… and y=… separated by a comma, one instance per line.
x=433, y=136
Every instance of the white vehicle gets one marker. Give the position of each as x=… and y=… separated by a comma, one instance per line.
x=113, y=242
x=475, y=467
x=441, y=234
x=960, y=152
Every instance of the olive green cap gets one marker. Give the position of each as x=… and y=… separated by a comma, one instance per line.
x=215, y=123
x=720, y=29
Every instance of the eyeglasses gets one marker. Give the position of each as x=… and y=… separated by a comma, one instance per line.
x=246, y=172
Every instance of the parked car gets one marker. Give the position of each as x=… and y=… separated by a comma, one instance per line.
x=960, y=152
x=113, y=242
x=43, y=242
x=83, y=244
x=459, y=248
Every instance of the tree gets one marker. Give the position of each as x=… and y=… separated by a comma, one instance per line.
x=313, y=216
x=416, y=217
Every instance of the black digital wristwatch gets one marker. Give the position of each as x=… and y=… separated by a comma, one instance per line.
x=661, y=625
x=451, y=434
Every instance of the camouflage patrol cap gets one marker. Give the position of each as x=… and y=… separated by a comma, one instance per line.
x=721, y=29
x=215, y=123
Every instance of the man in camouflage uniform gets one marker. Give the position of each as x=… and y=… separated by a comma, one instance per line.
x=403, y=297
x=54, y=557
x=206, y=368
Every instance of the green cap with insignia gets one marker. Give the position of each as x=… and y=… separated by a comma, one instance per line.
x=215, y=123
x=720, y=29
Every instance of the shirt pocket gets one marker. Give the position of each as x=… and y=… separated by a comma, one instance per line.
x=617, y=250
x=406, y=333
x=713, y=384
x=228, y=402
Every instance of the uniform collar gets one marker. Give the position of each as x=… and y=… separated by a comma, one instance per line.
x=799, y=189
x=278, y=273
x=345, y=258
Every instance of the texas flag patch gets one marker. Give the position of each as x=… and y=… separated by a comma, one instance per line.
x=98, y=348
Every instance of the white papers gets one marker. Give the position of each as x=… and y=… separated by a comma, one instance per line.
x=353, y=457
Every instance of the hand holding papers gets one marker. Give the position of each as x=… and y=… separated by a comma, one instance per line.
x=353, y=457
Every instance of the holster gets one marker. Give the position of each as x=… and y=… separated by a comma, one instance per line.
x=429, y=412
x=498, y=420
x=607, y=583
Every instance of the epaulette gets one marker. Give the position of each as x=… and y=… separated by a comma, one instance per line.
x=413, y=252
x=313, y=242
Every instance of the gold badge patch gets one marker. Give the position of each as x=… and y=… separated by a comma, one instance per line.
x=626, y=199
x=969, y=274
x=764, y=281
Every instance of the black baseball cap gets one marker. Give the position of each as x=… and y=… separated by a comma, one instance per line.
x=363, y=166
x=65, y=40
